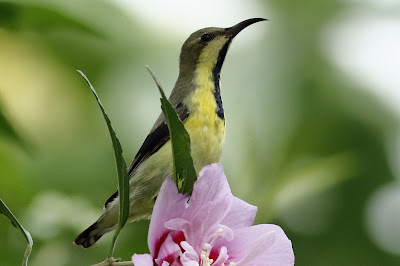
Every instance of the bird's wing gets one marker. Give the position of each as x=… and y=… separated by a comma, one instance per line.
x=157, y=137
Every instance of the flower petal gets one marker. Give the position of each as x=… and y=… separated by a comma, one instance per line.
x=169, y=204
x=264, y=244
x=142, y=260
x=240, y=215
x=257, y=248
x=190, y=256
x=177, y=224
x=190, y=263
x=211, y=186
x=204, y=226
x=223, y=231
x=222, y=256
x=169, y=251
x=210, y=203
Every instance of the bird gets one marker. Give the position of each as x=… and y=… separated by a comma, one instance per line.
x=197, y=100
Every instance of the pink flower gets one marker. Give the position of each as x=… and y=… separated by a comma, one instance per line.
x=214, y=228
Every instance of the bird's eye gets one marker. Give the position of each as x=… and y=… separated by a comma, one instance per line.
x=206, y=37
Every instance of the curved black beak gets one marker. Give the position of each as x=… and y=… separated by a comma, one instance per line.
x=233, y=31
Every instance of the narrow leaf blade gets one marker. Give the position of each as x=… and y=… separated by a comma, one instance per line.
x=123, y=178
x=184, y=172
x=6, y=211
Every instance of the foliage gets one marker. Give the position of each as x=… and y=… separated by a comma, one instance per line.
x=184, y=172
x=123, y=178
x=6, y=211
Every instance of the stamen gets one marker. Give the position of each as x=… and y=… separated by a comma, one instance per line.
x=205, y=253
x=207, y=248
x=205, y=261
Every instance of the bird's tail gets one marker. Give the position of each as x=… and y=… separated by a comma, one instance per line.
x=94, y=232
x=106, y=223
x=90, y=236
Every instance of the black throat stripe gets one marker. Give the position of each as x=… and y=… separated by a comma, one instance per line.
x=216, y=75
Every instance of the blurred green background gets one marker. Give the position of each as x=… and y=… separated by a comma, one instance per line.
x=312, y=106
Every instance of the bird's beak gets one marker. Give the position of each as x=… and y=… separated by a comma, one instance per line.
x=231, y=32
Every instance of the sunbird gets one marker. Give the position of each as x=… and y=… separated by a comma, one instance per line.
x=197, y=100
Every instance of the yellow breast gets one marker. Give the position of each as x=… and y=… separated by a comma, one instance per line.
x=205, y=128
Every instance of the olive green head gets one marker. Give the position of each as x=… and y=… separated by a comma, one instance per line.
x=209, y=45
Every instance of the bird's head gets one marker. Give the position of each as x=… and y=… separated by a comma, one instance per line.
x=207, y=47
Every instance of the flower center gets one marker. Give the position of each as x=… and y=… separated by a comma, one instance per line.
x=211, y=256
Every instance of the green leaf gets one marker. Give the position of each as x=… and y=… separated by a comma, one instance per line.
x=184, y=172
x=6, y=211
x=123, y=178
